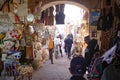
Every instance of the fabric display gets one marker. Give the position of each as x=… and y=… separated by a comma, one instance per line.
x=10, y=42
x=105, y=22
x=95, y=69
x=47, y=16
x=17, y=18
x=12, y=35
x=59, y=17
x=108, y=55
x=5, y=23
x=106, y=67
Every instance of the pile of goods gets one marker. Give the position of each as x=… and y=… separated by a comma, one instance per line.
x=25, y=72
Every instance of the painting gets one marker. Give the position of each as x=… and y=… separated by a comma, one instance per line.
x=94, y=16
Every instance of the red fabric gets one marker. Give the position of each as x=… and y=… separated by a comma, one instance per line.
x=17, y=19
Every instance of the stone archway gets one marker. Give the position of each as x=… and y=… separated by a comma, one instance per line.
x=63, y=2
x=45, y=6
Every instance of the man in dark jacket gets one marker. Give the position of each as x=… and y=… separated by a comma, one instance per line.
x=68, y=44
x=91, y=49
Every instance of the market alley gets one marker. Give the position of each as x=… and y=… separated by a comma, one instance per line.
x=57, y=71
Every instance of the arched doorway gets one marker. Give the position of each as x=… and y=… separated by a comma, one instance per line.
x=80, y=30
x=63, y=2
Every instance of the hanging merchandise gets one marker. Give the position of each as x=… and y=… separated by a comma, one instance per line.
x=28, y=37
x=2, y=35
x=59, y=17
x=39, y=27
x=105, y=21
x=4, y=57
x=17, y=19
x=47, y=16
x=108, y=2
x=25, y=72
x=5, y=23
x=117, y=8
x=50, y=16
x=11, y=41
x=40, y=55
x=42, y=16
x=10, y=36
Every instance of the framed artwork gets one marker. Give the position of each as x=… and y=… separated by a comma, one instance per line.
x=94, y=16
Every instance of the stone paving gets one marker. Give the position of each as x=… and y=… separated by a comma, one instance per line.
x=57, y=71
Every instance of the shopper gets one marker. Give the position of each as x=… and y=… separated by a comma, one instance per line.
x=68, y=45
x=65, y=46
x=51, y=48
x=60, y=46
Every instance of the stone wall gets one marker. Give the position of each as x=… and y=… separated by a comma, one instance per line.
x=89, y=4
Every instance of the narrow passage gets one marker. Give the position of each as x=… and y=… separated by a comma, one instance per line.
x=57, y=71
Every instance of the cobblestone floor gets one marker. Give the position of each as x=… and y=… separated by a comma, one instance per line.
x=57, y=71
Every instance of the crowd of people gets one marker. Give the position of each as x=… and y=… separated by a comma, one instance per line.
x=55, y=47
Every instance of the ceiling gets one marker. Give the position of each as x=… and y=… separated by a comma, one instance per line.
x=2, y=3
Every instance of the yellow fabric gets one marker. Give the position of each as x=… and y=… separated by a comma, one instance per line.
x=50, y=45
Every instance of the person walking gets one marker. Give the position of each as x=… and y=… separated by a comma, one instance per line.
x=68, y=44
x=51, y=48
x=60, y=46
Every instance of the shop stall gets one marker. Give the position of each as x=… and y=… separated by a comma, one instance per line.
x=22, y=48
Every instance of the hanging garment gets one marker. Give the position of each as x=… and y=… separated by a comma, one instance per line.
x=117, y=8
x=95, y=70
x=108, y=56
x=59, y=17
x=108, y=2
x=105, y=21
